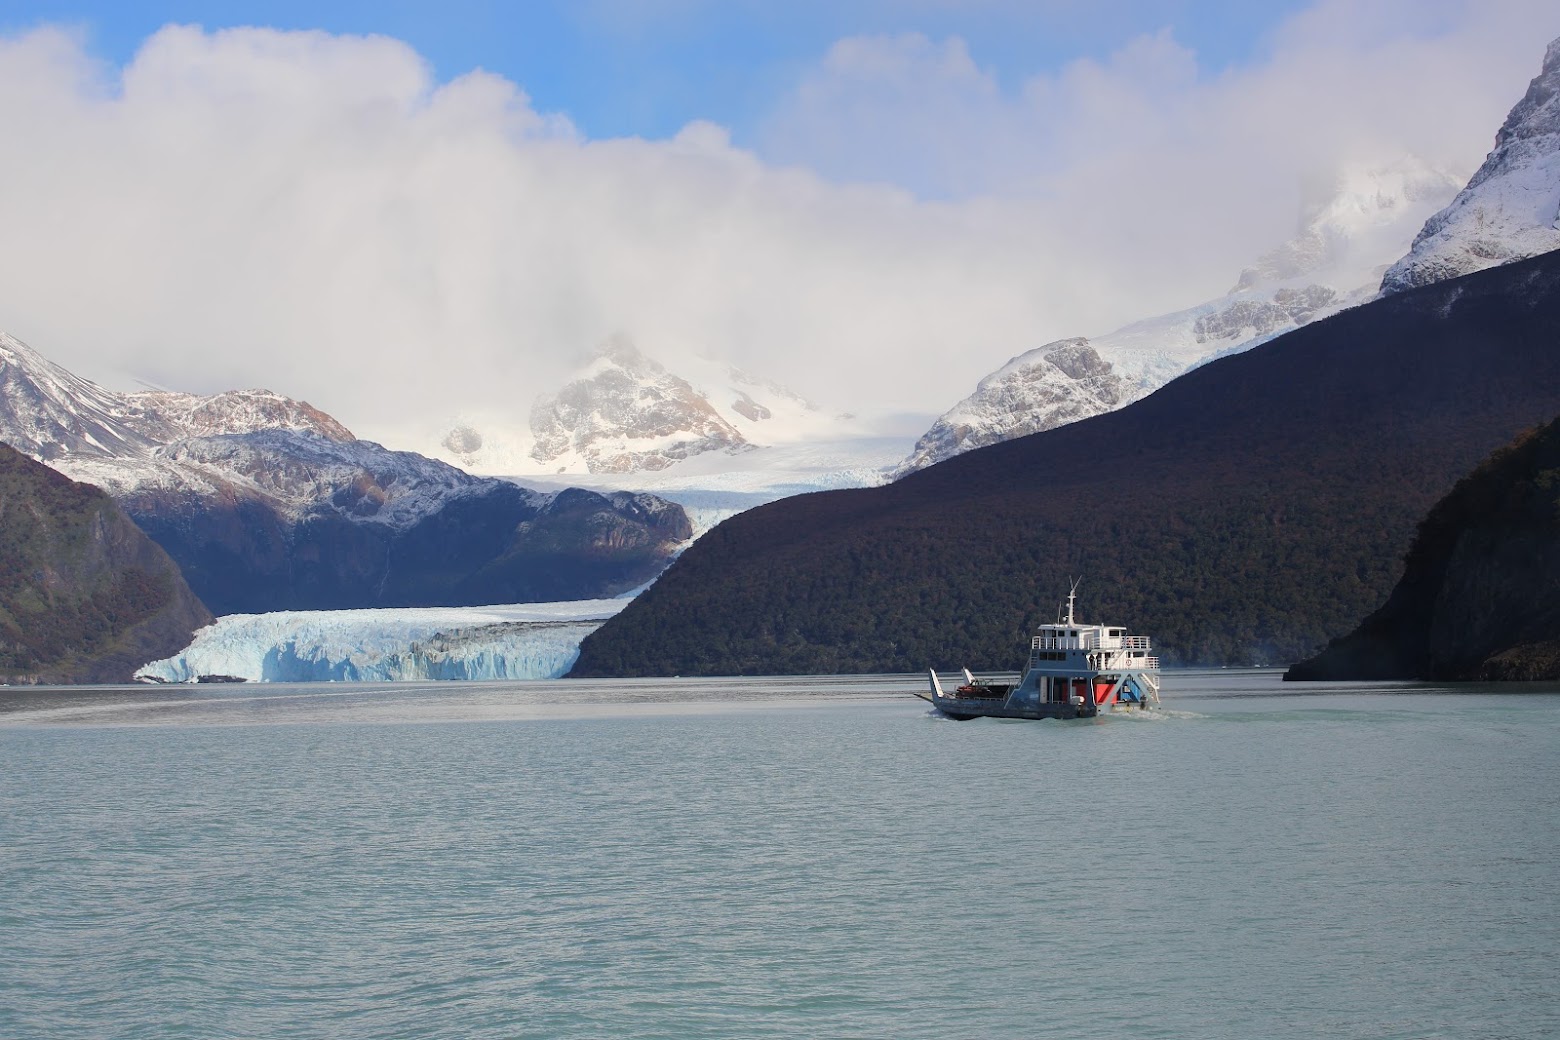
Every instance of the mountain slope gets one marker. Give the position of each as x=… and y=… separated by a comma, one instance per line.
x=1347, y=235
x=284, y=520
x=1480, y=593
x=624, y=412
x=85, y=596
x=269, y=504
x=1511, y=207
x=49, y=412
x=1237, y=515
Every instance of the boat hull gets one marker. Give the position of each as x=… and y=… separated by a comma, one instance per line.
x=1086, y=696
x=965, y=709
x=1075, y=671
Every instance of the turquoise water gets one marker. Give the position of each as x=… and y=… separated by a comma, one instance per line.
x=768, y=858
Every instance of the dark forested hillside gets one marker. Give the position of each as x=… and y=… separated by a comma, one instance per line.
x=85, y=596
x=1480, y=593
x=1242, y=514
x=499, y=544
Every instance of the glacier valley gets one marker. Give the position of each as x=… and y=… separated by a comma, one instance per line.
x=521, y=641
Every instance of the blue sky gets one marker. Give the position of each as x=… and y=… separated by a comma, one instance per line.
x=893, y=200
x=647, y=67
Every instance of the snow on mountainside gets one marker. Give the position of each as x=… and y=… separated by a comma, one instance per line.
x=233, y=412
x=49, y=412
x=298, y=474
x=624, y=412
x=250, y=443
x=1058, y=383
x=712, y=487
x=1345, y=240
x=1511, y=207
x=268, y=503
x=524, y=641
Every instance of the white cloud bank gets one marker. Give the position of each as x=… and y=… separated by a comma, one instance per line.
x=314, y=214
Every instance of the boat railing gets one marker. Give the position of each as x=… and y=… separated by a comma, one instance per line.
x=1085, y=641
x=1151, y=664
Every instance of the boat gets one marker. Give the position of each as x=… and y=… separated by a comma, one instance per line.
x=1075, y=671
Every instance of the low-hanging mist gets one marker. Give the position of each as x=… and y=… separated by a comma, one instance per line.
x=320, y=215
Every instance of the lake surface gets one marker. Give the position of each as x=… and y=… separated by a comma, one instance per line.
x=777, y=858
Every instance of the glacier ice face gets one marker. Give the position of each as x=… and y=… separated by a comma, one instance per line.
x=1510, y=209
x=523, y=641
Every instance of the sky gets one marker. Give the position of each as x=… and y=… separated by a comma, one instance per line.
x=405, y=213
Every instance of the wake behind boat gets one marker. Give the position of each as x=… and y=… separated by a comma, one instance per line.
x=1075, y=671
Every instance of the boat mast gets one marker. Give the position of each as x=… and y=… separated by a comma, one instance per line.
x=1072, y=594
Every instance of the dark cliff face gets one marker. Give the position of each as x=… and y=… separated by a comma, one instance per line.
x=497, y=544
x=1480, y=593
x=1241, y=514
x=85, y=596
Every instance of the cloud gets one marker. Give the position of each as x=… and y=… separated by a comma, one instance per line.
x=1144, y=160
x=316, y=214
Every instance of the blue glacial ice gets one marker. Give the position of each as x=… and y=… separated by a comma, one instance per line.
x=523, y=641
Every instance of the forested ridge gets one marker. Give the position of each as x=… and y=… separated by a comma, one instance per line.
x=1480, y=592
x=85, y=596
x=1243, y=514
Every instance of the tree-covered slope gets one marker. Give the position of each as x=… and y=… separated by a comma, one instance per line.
x=1243, y=513
x=1480, y=593
x=85, y=596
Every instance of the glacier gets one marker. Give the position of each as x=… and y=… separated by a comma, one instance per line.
x=520, y=641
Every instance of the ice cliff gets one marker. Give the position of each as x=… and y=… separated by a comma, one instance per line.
x=524, y=641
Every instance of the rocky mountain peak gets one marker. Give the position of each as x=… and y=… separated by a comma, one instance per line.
x=236, y=412
x=1351, y=225
x=626, y=412
x=1537, y=115
x=621, y=351
x=1341, y=217
x=48, y=412
x=1054, y=384
x=1511, y=207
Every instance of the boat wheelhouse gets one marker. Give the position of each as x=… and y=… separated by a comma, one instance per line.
x=1075, y=670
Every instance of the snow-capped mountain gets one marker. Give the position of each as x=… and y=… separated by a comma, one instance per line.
x=268, y=503
x=1058, y=383
x=1346, y=238
x=624, y=412
x=297, y=474
x=50, y=412
x=245, y=443
x=1511, y=207
x=233, y=412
